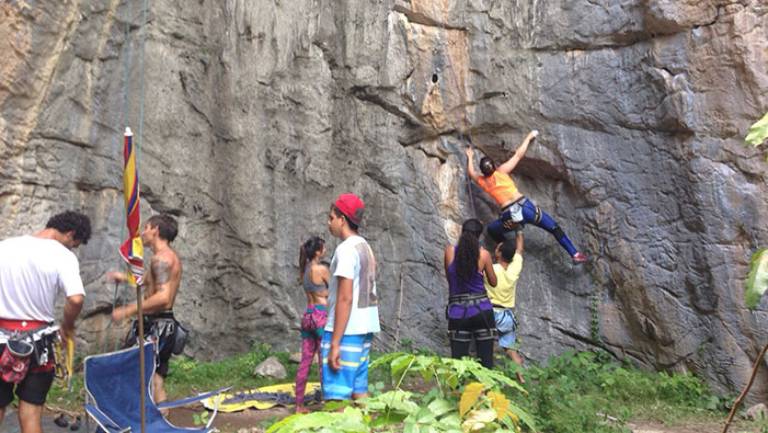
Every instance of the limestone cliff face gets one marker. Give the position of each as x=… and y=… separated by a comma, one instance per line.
x=256, y=114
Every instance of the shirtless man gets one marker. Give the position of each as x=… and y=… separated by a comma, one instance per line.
x=162, y=283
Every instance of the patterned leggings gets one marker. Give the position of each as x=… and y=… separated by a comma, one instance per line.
x=310, y=346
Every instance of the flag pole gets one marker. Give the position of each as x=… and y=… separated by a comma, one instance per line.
x=142, y=383
x=132, y=251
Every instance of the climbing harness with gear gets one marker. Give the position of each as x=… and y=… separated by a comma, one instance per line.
x=163, y=328
x=466, y=301
x=20, y=348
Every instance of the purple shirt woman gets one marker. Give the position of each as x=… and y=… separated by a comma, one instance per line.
x=469, y=311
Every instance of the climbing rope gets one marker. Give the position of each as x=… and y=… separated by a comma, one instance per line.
x=139, y=142
x=127, y=56
x=464, y=131
x=469, y=180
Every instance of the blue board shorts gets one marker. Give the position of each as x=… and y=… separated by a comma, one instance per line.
x=352, y=377
x=506, y=324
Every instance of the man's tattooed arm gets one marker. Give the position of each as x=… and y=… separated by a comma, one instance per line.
x=161, y=271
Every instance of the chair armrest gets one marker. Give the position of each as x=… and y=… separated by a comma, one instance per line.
x=103, y=420
x=190, y=400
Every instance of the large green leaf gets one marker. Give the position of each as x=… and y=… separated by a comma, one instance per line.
x=350, y=421
x=292, y=423
x=396, y=400
x=758, y=132
x=757, y=280
x=388, y=418
x=441, y=406
x=524, y=416
x=384, y=360
x=424, y=416
x=451, y=422
x=400, y=366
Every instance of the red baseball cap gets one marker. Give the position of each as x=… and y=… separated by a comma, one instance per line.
x=351, y=206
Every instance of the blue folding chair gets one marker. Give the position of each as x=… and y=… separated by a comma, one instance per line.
x=112, y=394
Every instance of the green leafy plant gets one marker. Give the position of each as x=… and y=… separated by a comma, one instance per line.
x=757, y=279
x=758, y=132
x=484, y=410
x=201, y=418
x=465, y=397
x=480, y=397
x=590, y=391
x=397, y=408
x=352, y=420
x=448, y=373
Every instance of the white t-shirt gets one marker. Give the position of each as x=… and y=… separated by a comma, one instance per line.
x=353, y=259
x=32, y=270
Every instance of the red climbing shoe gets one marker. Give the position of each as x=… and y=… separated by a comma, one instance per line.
x=579, y=258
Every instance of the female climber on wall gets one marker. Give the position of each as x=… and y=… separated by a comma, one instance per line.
x=516, y=209
x=469, y=311
x=313, y=276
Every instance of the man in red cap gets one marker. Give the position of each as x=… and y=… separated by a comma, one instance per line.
x=353, y=315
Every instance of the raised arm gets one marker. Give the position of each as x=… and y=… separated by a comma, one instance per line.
x=511, y=163
x=490, y=274
x=519, y=242
x=471, y=163
x=447, y=258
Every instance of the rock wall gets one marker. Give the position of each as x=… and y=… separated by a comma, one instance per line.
x=252, y=116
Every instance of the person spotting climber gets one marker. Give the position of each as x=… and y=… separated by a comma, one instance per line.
x=509, y=264
x=469, y=311
x=162, y=282
x=314, y=277
x=353, y=315
x=32, y=271
x=516, y=209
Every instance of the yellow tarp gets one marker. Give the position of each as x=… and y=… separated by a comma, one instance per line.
x=289, y=388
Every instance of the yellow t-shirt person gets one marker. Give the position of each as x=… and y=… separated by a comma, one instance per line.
x=503, y=294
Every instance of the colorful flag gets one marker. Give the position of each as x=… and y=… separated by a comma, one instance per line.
x=132, y=250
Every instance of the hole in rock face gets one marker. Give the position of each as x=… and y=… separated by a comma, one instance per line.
x=434, y=78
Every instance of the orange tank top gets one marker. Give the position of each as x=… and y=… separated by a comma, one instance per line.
x=499, y=186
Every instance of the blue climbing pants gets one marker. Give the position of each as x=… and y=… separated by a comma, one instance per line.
x=523, y=212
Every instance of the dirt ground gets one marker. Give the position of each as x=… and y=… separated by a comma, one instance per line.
x=738, y=426
x=247, y=421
